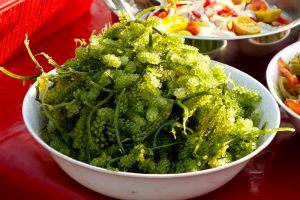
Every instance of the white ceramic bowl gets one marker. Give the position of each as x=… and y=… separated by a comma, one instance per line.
x=272, y=79
x=124, y=185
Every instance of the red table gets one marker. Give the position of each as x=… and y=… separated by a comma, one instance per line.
x=27, y=171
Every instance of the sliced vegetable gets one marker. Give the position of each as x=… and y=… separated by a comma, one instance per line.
x=243, y=25
x=180, y=4
x=283, y=20
x=173, y=1
x=174, y=24
x=281, y=63
x=230, y=25
x=286, y=73
x=162, y=13
x=185, y=32
x=195, y=27
x=238, y=2
x=268, y=16
x=226, y=11
x=288, y=83
x=196, y=14
x=283, y=85
x=256, y=5
x=294, y=105
x=207, y=3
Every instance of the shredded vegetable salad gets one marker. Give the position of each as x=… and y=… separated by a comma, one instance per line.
x=288, y=82
x=218, y=17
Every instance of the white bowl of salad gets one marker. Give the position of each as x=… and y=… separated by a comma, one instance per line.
x=141, y=115
x=139, y=186
x=283, y=81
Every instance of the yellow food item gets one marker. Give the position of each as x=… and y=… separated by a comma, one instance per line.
x=185, y=32
x=268, y=16
x=175, y=24
x=200, y=23
x=238, y=2
x=243, y=25
x=173, y=1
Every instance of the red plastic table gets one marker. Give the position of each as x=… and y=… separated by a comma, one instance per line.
x=27, y=171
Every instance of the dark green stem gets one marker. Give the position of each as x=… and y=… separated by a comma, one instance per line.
x=194, y=95
x=168, y=123
x=150, y=40
x=100, y=88
x=165, y=146
x=116, y=118
x=114, y=160
x=64, y=104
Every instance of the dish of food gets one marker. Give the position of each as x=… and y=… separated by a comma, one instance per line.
x=282, y=79
x=217, y=19
x=288, y=82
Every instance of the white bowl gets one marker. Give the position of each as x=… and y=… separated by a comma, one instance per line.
x=272, y=79
x=124, y=185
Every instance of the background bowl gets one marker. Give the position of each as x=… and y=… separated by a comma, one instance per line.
x=290, y=8
x=124, y=185
x=212, y=48
x=270, y=41
x=272, y=79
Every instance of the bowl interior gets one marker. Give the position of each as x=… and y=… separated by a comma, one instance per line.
x=272, y=74
x=34, y=121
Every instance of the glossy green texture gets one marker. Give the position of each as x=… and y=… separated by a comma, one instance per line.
x=139, y=101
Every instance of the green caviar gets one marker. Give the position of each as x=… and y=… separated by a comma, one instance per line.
x=138, y=100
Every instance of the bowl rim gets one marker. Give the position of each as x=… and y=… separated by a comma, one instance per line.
x=242, y=160
x=286, y=34
x=272, y=66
